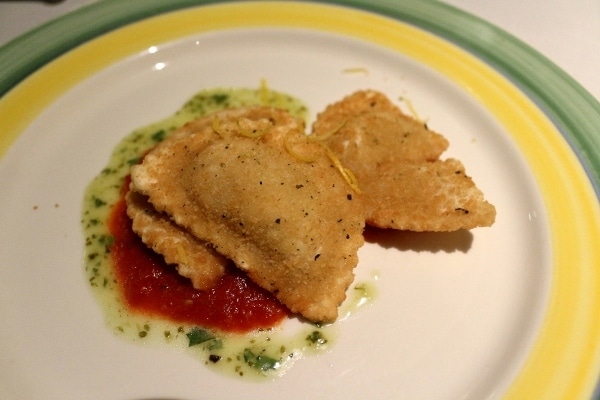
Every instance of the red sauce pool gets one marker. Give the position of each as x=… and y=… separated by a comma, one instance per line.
x=150, y=286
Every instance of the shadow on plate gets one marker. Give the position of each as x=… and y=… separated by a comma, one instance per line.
x=432, y=242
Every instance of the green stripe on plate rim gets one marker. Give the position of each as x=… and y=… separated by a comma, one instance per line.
x=574, y=111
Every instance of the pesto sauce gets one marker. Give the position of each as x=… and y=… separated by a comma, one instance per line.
x=266, y=353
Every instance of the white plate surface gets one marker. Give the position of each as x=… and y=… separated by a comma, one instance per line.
x=456, y=313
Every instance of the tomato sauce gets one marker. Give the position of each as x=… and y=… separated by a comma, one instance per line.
x=148, y=285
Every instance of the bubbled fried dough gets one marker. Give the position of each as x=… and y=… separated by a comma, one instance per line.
x=366, y=129
x=452, y=202
x=251, y=184
x=395, y=159
x=194, y=258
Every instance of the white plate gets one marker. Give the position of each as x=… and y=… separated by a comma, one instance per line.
x=456, y=315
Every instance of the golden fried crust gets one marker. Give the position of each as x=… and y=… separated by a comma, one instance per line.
x=194, y=259
x=366, y=129
x=426, y=196
x=245, y=186
x=395, y=160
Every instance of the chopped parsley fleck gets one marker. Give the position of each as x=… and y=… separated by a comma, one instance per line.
x=260, y=362
x=198, y=335
x=98, y=202
x=107, y=241
x=133, y=161
x=216, y=344
x=220, y=98
x=159, y=135
x=316, y=337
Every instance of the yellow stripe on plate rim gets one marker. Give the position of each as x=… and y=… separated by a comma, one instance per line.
x=565, y=360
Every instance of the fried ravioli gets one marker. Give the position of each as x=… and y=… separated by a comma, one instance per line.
x=251, y=184
x=194, y=259
x=396, y=162
x=366, y=129
x=435, y=196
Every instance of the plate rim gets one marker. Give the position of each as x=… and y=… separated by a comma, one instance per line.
x=564, y=130
x=578, y=119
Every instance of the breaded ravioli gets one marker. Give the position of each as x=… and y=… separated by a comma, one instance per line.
x=395, y=159
x=366, y=129
x=194, y=258
x=433, y=196
x=250, y=183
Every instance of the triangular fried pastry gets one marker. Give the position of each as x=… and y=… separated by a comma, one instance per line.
x=434, y=196
x=249, y=182
x=366, y=129
x=194, y=258
x=395, y=159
